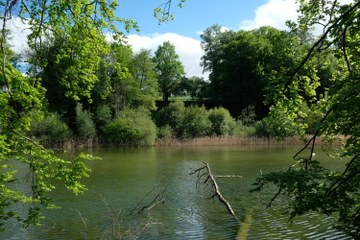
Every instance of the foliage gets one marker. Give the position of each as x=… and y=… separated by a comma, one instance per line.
x=246, y=66
x=132, y=127
x=280, y=125
x=102, y=117
x=143, y=70
x=172, y=116
x=16, y=104
x=50, y=130
x=196, y=122
x=116, y=79
x=179, y=121
x=163, y=12
x=242, y=130
x=222, y=123
x=193, y=87
x=165, y=132
x=248, y=115
x=168, y=68
x=310, y=186
x=66, y=41
x=84, y=125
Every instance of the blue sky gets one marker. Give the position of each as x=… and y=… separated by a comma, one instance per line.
x=194, y=17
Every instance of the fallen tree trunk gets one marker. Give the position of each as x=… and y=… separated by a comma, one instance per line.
x=205, y=173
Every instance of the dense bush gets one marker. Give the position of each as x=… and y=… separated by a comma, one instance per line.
x=84, y=125
x=248, y=116
x=165, y=132
x=179, y=121
x=50, y=130
x=171, y=116
x=132, y=127
x=222, y=123
x=242, y=130
x=102, y=117
x=276, y=127
x=196, y=122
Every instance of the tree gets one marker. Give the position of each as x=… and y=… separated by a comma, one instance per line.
x=168, y=69
x=193, y=87
x=245, y=65
x=77, y=27
x=310, y=185
x=143, y=70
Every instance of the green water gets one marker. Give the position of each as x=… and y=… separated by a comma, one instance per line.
x=126, y=177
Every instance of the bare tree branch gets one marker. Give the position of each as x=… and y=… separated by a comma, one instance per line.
x=215, y=190
x=159, y=198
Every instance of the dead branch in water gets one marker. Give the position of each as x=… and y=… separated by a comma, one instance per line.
x=204, y=172
x=159, y=198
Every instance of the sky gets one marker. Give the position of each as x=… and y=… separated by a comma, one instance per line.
x=185, y=30
x=197, y=15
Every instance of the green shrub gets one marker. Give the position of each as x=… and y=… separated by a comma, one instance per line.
x=276, y=127
x=196, y=122
x=242, y=130
x=248, y=116
x=165, y=132
x=222, y=124
x=50, y=130
x=133, y=127
x=173, y=116
x=102, y=117
x=84, y=125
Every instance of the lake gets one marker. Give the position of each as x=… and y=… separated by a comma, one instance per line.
x=126, y=180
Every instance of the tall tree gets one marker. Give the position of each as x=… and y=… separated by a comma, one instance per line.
x=311, y=186
x=143, y=70
x=244, y=66
x=80, y=24
x=168, y=69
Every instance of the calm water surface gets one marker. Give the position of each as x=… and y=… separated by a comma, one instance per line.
x=127, y=177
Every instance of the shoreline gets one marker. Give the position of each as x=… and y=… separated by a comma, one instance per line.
x=229, y=141
x=211, y=141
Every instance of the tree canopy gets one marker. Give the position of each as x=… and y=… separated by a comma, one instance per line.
x=168, y=69
x=313, y=187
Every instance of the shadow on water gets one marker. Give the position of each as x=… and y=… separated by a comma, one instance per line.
x=126, y=177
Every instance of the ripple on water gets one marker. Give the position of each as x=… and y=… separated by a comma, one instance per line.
x=268, y=225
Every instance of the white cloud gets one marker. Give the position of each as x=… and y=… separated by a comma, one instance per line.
x=274, y=13
x=188, y=49
x=19, y=30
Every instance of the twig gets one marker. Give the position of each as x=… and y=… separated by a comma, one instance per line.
x=274, y=197
x=159, y=198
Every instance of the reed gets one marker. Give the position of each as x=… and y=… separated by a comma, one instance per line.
x=237, y=141
x=227, y=141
